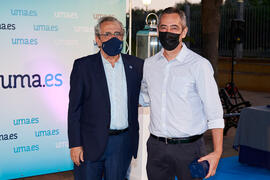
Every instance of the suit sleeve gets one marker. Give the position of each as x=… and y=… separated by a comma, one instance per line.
x=75, y=106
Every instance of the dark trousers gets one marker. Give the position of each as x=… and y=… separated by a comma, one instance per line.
x=113, y=164
x=165, y=161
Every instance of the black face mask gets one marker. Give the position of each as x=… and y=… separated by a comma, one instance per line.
x=169, y=40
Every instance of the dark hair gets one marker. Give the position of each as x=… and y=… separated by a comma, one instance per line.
x=172, y=10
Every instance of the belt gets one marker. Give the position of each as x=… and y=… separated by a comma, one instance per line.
x=177, y=140
x=114, y=132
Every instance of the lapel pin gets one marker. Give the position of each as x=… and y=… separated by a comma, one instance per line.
x=130, y=67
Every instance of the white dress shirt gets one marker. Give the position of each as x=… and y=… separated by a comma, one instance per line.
x=182, y=94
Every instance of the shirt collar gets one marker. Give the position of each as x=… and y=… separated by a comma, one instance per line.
x=108, y=63
x=180, y=56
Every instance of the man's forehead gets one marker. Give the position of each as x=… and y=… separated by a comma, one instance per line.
x=110, y=24
x=170, y=19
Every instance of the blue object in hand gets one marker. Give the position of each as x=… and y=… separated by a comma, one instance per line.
x=199, y=169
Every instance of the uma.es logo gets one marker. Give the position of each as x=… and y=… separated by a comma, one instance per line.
x=5, y=26
x=24, y=41
x=30, y=81
x=23, y=12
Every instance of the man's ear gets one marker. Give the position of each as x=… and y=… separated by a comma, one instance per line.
x=98, y=41
x=184, y=32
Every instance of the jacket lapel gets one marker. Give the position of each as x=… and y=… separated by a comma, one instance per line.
x=128, y=70
x=101, y=80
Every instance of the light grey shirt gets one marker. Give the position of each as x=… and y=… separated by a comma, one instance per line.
x=117, y=85
x=182, y=94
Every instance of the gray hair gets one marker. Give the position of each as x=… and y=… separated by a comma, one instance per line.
x=105, y=19
x=172, y=10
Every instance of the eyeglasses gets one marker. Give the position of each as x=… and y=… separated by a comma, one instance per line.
x=109, y=34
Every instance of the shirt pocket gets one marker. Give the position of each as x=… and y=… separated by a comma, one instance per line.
x=181, y=85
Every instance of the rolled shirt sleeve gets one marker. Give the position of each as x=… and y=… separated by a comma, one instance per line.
x=208, y=92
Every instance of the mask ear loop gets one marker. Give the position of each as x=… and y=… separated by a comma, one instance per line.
x=95, y=43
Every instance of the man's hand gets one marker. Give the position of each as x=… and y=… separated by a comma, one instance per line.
x=213, y=159
x=76, y=154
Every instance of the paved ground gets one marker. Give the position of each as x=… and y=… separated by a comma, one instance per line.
x=256, y=99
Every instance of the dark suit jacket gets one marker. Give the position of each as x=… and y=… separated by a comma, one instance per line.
x=89, y=112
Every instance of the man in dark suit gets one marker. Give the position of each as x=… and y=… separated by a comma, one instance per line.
x=103, y=128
